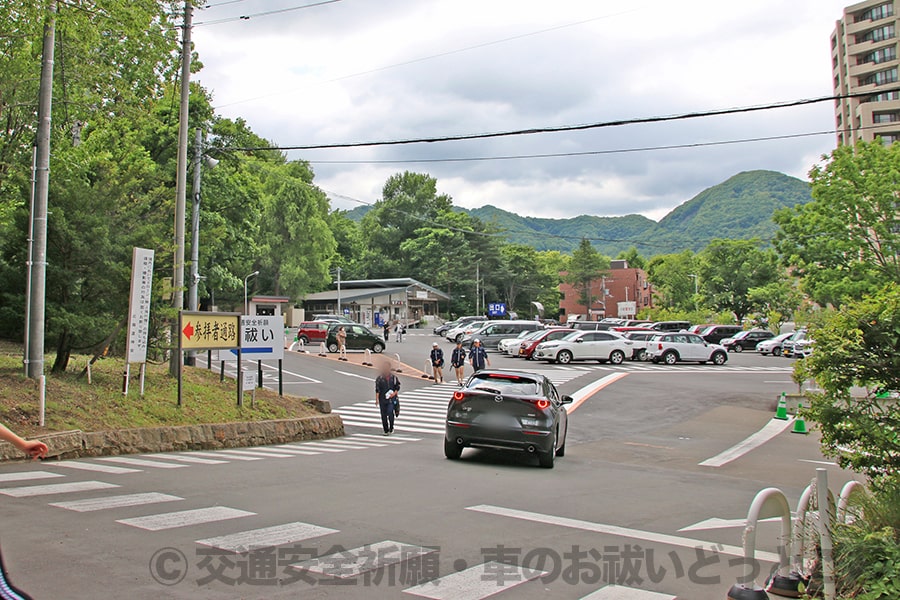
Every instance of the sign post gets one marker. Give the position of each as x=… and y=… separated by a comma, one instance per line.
x=207, y=331
x=496, y=309
x=138, y=314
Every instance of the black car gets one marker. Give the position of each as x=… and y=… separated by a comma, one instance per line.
x=508, y=410
x=747, y=340
x=716, y=333
x=359, y=337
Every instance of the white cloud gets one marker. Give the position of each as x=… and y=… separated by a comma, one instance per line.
x=287, y=75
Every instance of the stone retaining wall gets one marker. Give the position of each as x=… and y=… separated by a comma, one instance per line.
x=72, y=444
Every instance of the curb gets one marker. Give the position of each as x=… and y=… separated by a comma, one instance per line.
x=181, y=438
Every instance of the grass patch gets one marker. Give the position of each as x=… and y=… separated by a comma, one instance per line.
x=74, y=404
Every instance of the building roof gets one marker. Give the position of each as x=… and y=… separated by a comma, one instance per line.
x=393, y=284
x=352, y=295
x=271, y=299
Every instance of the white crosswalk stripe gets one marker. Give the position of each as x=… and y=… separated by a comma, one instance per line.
x=617, y=592
x=28, y=476
x=56, y=488
x=86, y=466
x=252, y=454
x=126, y=500
x=185, y=518
x=350, y=564
x=475, y=582
x=194, y=460
x=141, y=462
x=679, y=368
x=245, y=541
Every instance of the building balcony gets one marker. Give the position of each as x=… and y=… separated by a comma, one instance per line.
x=868, y=68
x=851, y=28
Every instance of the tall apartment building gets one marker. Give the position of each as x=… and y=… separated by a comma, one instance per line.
x=864, y=58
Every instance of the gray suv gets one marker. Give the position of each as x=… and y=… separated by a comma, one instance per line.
x=494, y=331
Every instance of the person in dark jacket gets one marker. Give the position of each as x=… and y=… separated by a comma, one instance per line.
x=437, y=363
x=387, y=389
x=478, y=356
x=458, y=362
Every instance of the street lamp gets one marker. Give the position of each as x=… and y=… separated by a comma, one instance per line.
x=246, y=304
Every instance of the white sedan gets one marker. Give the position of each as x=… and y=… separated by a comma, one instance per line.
x=601, y=346
x=671, y=348
x=510, y=346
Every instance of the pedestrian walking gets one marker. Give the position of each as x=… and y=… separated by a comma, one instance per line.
x=399, y=329
x=342, y=343
x=387, y=331
x=458, y=362
x=437, y=363
x=478, y=356
x=387, y=389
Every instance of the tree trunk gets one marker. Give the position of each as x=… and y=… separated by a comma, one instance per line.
x=63, y=352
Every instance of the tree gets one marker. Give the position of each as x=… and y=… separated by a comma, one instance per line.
x=633, y=258
x=845, y=243
x=729, y=269
x=523, y=279
x=673, y=278
x=777, y=300
x=858, y=346
x=587, y=265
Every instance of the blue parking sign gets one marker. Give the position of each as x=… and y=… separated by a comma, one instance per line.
x=497, y=309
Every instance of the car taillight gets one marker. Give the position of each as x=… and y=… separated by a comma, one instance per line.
x=458, y=396
x=542, y=404
x=659, y=347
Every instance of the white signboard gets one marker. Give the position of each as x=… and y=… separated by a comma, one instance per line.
x=262, y=338
x=421, y=295
x=139, y=305
x=627, y=309
x=248, y=381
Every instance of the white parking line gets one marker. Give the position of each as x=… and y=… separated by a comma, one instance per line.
x=650, y=536
x=353, y=375
x=767, y=433
x=475, y=582
x=245, y=541
x=184, y=518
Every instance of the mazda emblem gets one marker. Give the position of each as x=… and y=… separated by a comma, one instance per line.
x=498, y=398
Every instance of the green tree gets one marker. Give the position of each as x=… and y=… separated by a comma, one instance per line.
x=633, y=257
x=845, y=243
x=674, y=279
x=858, y=346
x=524, y=280
x=777, y=300
x=587, y=266
x=729, y=269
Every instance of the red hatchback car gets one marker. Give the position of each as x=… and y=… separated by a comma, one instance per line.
x=526, y=350
x=313, y=332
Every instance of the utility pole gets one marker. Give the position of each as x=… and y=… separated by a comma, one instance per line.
x=38, y=267
x=477, y=286
x=181, y=180
x=339, y=311
x=193, y=294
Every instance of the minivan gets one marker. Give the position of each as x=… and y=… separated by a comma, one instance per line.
x=668, y=326
x=494, y=331
x=717, y=333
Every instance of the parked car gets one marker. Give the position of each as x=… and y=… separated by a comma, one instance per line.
x=773, y=345
x=333, y=319
x=313, y=332
x=787, y=346
x=601, y=346
x=458, y=333
x=803, y=348
x=671, y=348
x=637, y=323
x=698, y=328
x=509, y=410
x=641, y=341
x=671, y=326
x=590, y=325
x=511, y=345
x=492, y=332
x=625, y=330
x=714, y=334
x=359, y=337
x=443, y=329
x=527, y=347
x=747, y=340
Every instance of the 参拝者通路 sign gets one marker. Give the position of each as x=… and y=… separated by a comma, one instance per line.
x=209, y=330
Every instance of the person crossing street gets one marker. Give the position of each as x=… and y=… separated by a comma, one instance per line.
x=387, y=388
x=478, y=356
x=458, y=362
x=437, y=363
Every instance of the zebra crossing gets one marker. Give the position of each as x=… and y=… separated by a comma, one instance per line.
x=680, y=368
x=424, y=410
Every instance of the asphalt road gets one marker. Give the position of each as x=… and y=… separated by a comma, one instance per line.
x=374, y=517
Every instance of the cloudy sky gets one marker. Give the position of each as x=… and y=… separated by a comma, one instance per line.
x=361, y=70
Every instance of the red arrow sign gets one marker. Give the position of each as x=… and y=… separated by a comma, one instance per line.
x=188, y=331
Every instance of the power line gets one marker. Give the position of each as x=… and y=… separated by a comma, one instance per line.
x=413, y=61
x=264, y=14
x=574, y=154
x=218, y=4
x=577, y=127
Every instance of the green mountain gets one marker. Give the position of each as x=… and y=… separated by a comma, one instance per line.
x=740, y=207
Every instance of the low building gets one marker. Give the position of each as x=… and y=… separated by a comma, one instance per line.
x=377, y=301
x=622, y=292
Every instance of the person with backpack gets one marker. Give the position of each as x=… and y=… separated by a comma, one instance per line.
x=458, y=362
x=478, y=356
x=387, y=389
x=437, y=363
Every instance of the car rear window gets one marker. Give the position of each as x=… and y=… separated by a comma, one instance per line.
x=505, y=384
